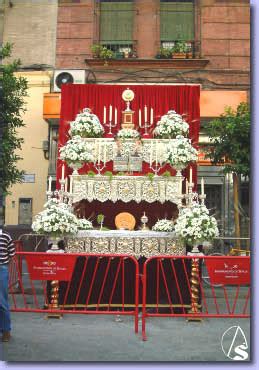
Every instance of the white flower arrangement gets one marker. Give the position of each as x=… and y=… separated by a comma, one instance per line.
x=128, y=133
x=171, y=125
x=195, y=225
x=76, y=150
x=84, y=224
x=86, y=124
x=56, y=219
x=163, y=225
x=181, y=152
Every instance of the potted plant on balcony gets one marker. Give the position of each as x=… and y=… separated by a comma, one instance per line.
x=179, y=50
x=164, y=53
x=96, y=50
x=106, y=53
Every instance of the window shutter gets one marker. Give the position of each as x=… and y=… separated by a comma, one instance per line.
x=116, y=22
x=176, y=21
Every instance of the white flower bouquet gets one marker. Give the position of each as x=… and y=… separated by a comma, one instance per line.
x=84, y=224
x=163, y=225
x=171, y=125
x=180, y=152
x=86, y=124
x=76, y=150
x=128, y=133
x=56, y=219
x=194, y=225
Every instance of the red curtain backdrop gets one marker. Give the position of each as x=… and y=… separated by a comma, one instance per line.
x=184, y=99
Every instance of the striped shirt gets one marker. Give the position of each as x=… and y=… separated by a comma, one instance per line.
x=7, y=249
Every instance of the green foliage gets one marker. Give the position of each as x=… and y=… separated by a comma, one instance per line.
x=100, y=218
x=91, y=173
x=180, y=47
x=230, y=137
x=166, y=174
x=165, y=53
x=120, y=173
x=150, y=175
x=109, y=174
x=13, y=91
x=106, y=53
x=96, y=49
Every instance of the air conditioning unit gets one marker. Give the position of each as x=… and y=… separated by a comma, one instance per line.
x=67, y=76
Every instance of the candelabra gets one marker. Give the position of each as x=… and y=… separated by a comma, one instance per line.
x=99, y=167
x=110, y=125
x=146, y=126
x=156, y=167
x=62, y=194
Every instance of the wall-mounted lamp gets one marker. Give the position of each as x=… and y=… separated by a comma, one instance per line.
x=45, y=148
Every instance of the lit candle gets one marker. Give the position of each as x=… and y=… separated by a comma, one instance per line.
x=110, y=115
x=50, y=180
x=104, y=114
x=63, y=172
x=151, y=154
x=71, y=185
x=186, y=187
x=151, y=116
x=202, y=186
x=145, y=113
x=115, y=118
x=66, y=185
x=139, y=117
x=191, y=175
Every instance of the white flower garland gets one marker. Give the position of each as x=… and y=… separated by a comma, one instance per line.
x=181, y=152
x=76, y=150
x=86, y=124
x=195, y=225
x=163, y=225
x=128, y=133
x=171, y=125
x=84, y=224
x=56, y=219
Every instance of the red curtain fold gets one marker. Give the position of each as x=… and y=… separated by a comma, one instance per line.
x=184, y=99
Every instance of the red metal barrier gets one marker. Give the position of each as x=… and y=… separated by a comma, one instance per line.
x=76, y=284
x=181, y=291
x=13, y=272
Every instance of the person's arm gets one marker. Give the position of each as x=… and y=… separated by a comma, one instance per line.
x=10, y=248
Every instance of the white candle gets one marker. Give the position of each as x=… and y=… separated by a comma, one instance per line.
x=151, y=116
x=156, y=151
x=115, y=119
x=151, y=154
x=186, y=187
x=139, y=117
x=191, y=175
x=71, y=185
x=63, y=172
x=110, y=115
x=104, y=114
x=105, y=153
x=50, y=180
x=99, y=153
x=145, y=113
x=180, y=187
x=66, y=185
x=202, y=186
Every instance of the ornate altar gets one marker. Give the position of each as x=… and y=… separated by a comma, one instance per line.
x=134, y=243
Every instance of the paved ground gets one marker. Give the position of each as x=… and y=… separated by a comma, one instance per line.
x=101, y=338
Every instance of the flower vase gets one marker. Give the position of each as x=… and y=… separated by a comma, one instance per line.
x=54, y=241
x=179, y=168
x=75, y=166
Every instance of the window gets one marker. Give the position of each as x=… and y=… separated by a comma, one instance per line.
x=116, y=25
x=176, y=21
x=25, y=211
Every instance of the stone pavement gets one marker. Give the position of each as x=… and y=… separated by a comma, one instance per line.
x=101, y=338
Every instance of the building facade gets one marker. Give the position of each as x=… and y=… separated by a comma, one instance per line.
x=78, y=37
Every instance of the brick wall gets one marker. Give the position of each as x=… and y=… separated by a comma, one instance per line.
x=75, y=34
x=31, y=27
x=225, y=34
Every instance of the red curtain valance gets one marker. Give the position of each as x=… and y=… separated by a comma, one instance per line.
x=184, y=99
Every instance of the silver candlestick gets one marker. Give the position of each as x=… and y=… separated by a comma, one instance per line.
x=99, y=167
x=110, y=125
x=156, y=168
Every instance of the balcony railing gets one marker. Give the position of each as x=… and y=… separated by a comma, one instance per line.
x=179, y=49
